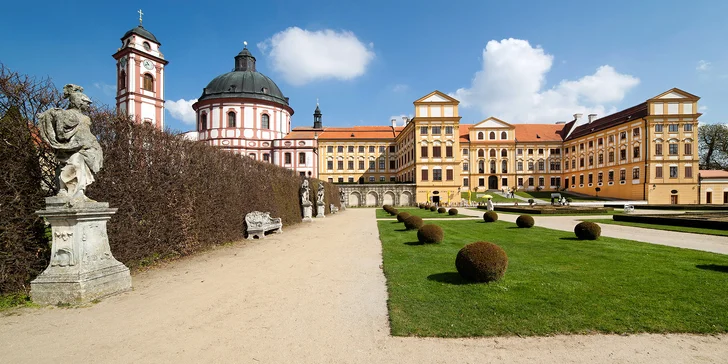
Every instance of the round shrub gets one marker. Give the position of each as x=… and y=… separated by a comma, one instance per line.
x=433, y=208
x=393, y=211
x=386, y=208
x=421, y=206
x=441, y=210
x=530, y=201
x=481, y=262
x=569, y=200
x=587, y=231
x=490, y=216
x=413, y=222
x=402, y=216
x=430, y=234
x=453, y=212
x=525, y=221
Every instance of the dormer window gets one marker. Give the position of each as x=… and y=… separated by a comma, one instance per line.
x=264, y=90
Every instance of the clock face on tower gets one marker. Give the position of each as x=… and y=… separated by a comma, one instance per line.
x=148, y=64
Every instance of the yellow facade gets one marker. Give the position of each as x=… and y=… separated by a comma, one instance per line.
x=354, y=161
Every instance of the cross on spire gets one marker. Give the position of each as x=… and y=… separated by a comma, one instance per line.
x=317, y=104
x=140, y=16
x=245, y=44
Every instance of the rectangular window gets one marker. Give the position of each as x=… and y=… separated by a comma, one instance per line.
x=361, y=149
x=465, y=152
x=392, y=148
x=382, y=179
x=600, y=177
x=381, y=149
x=530, y=181
x=709, y=197
x=581, y=146
x=350, y=179
x=448, y=151
x=636, y=152
x=466, y=166
x=601, y=158
x=266, y=157
x=392, y=165
x=436, y=130
x=340, y=179
x=688, y=172
x=688, y=127
x=673, y=149
x=330, y=149
x=658, y=149
x=423, y=130
x=381, y=164
x=392, y=179
x=573, y=180
x=436, y=152
x=591, y=144
x=371, y=178
x=530, y=152
x=581, y=162
x=610, y=176
x=610, y=138
x=540, y=151
x=623, y=135
x=448, y=130
x=371, y=149
x=636, y=132
x=424, y=151
x=466, y=182
x=301, y=158
x=658, y=172
x=329, y=165
x=673, y=172
x=600, y=141
x=530, y=166
x=287, y=157
x=581, y=179
x=541, y=181
x=425, y=176
x=672, y=128
x=351, y=149
x=688, y=149
x=350, y=165
x=340, y=165
x=519, y=151
x=481, y=182
x=591, y=160
x=623, y=154
x=573, y=163
x=658, y=128
x=449, y=174
x=372, y=165
x=635, y=173
x=555, y=166
x=340, y=149
x=541, y=165
x=590, y=179
x=302, y=174
x=519, y=166
x=622, y=175
x=331, y=180
x=361, y=165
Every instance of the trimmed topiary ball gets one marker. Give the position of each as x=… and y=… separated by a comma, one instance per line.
x=490, y=216
x=525, y=221
x=441, y=210
x=430, y=234
x=386, y=208
x=587, y=231
x=433, y=208
x=393, y=211
x=402, y=216
x=453, y=212
x=481, y=262
x=421, y=206
x=413, y=222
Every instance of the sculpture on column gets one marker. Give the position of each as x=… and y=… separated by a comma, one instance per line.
x=79, y=154
x=81, y=267
x=320, y=203
x=306, y=202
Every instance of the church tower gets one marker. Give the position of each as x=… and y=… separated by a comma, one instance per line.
x=140, y=76
x=317, y=124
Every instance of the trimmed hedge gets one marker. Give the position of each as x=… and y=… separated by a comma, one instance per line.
x=393, y=212
x=430, y=234
x=525, y=221
x=402, y=216
x=587, y=230
x=490, y=216
x=441, y=210
x=481, y=262
x=452, y=212
x=433, y=208
x=413, y=223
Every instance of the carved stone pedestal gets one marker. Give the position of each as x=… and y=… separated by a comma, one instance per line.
x=307, y=212
x=320, y=210
x=82, y=267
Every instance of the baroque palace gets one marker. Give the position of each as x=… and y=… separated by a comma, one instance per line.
x=645, y=152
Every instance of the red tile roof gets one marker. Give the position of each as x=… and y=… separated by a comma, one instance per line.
x=713, y=173
x=347, y=133
x=538, y=133
x=464, y=132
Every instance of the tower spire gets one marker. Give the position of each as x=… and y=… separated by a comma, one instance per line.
x=317, y=124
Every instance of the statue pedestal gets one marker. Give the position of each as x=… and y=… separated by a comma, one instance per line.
x=320, y=210
x=307, y=212
x=82, y=267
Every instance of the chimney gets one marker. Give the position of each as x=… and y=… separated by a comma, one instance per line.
x=577, y=116
x=592, y=117
x=394, y=122
x=405, y=120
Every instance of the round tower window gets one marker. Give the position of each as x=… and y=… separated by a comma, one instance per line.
x=264, y=90
x=147, y=46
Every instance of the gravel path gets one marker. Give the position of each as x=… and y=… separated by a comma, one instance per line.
x=314, y=294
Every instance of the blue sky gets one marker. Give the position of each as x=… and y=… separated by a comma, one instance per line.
x=530, y=61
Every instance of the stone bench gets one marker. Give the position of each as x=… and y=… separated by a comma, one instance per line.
x=333, y=208
x=628, y=209
x=260, y=222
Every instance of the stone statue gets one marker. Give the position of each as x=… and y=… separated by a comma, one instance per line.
x=68, y=132
x=320, y=194
x=305, y=191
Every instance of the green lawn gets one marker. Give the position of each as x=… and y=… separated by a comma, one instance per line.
x=14, y=300
x=554, y=285
x=381, y=214
x=546, y=196
x=496, y=198
x=684, y=229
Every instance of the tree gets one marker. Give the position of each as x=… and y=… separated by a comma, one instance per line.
x=713, y=146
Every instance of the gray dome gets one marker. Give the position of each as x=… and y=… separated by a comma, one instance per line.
x=244, y=82
x=139, y=30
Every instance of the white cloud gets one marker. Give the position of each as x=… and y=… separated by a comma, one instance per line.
x=400, y=87
x=302, y=56
x=108, y=90
x=182, y=110
x=511, y=84
x=703, y=65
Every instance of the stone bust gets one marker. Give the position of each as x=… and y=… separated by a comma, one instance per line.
x=68, y=132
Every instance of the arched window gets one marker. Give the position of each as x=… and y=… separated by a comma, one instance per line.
x=492, y=166
x=203, y=122
x=481, y=166
x=492, y=153
x=481, y=153
x=265, y=121
x=491, y=136
x=148, y=82
x=504, y=135
x=231, y=119
x=252, y=156
x=122, y=79
x=480, y=135
x=504, y=153
x=504, y=166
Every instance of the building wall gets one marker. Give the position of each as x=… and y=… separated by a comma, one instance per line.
x=352, y=160
x=399, y=194
x=718, y=190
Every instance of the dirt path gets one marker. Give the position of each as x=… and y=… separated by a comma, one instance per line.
x=314, y=294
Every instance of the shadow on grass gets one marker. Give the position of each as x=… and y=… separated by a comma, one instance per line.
x=401, y=229
x=713, y=267
x=413, y=243
x=570, y=238
x=449, y=278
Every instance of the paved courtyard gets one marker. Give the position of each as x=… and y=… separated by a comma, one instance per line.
x=314, y=294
